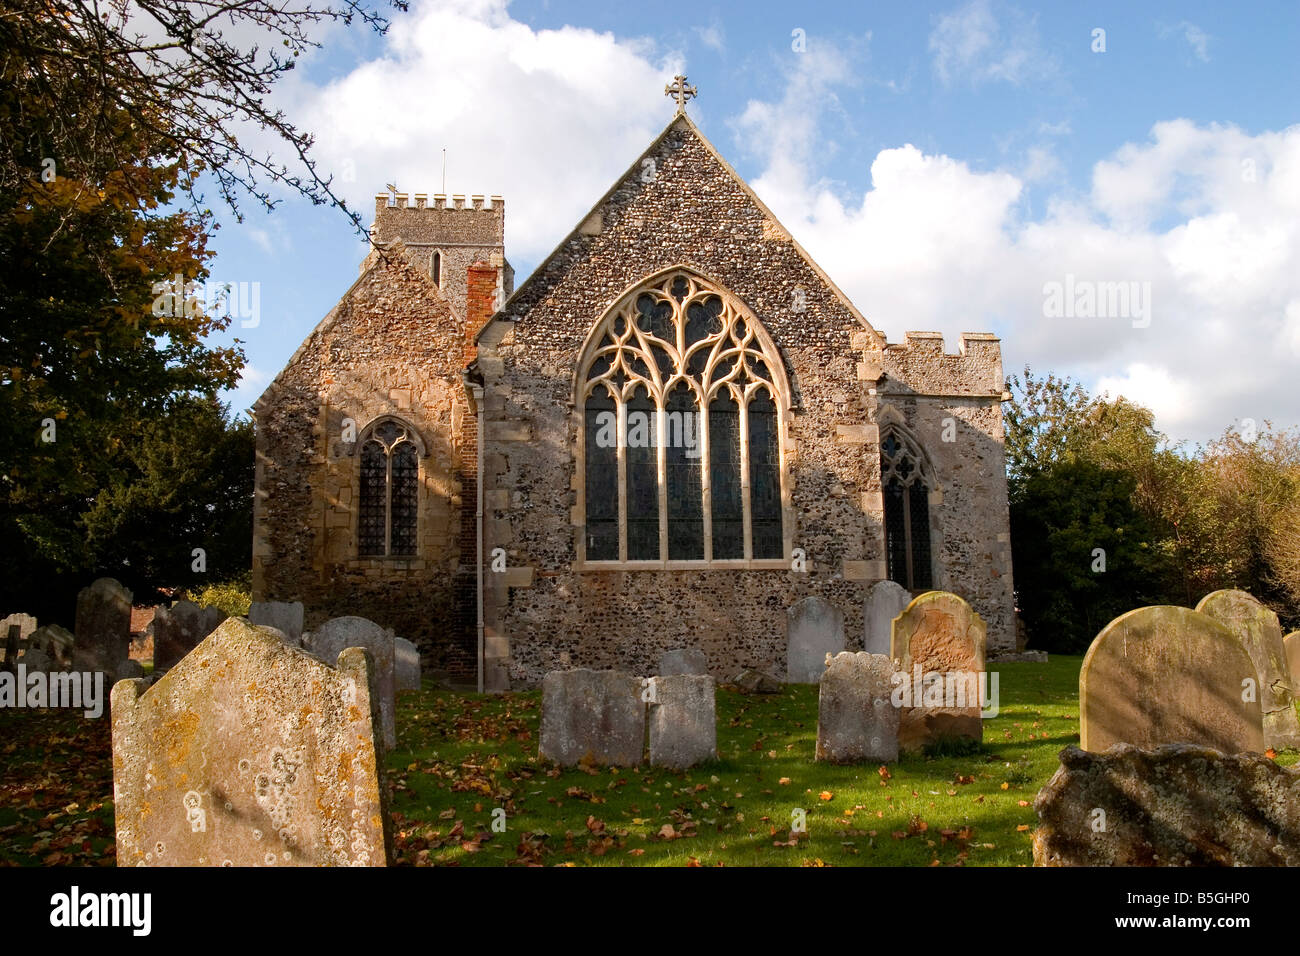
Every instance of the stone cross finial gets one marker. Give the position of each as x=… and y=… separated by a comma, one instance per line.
x=680, y=91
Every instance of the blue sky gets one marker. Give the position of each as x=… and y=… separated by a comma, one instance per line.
x=946, y=163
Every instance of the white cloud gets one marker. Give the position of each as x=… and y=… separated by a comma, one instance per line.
x=546, y=118
x=937, y=244
x=1196, y=38
x=972, y=44
x=712, y=36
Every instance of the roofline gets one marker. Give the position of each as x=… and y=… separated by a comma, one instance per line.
x=395, y=248
x=636, y=163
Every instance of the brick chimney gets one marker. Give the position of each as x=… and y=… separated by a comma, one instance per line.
x=480, y=303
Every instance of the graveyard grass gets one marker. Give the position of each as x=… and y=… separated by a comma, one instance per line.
x=460, y=756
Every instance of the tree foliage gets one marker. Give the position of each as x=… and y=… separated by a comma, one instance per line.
x=195, y=75
x=1091, y=476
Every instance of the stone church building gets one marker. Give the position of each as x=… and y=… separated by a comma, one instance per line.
x=672, y=431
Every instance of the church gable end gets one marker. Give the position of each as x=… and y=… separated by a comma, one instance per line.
x=357, y=489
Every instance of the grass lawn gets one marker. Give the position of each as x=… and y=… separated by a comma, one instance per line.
x=460, y=757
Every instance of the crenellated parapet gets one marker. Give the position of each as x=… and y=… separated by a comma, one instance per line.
x=417, y=222
x=920, y=364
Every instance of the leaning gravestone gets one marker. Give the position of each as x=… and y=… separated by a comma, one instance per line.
x=249, y=753
x=178, y=629
x=814, y=628
x=406, y=664
x=284, y=616
x=103, y=628
x=596, y=716
x=856, y=717
x=683, y=660
x=939, y=643
x=683, y=724
x=885, y=601
x=1260, y=633
x=1173, y=805
x=1165, y=675
x=329, y=641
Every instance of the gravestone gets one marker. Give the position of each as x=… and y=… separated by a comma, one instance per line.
x=596, y=716
x=1173, y=805
x=682, y=719
x=1291, y=644
x=939, y=638
x=1165, y=675
x=284, y=616
x=103, y=628
x=885, y=601
x=1260, y=633
x=249, y=753
x=26, y=626
x=683, y=660
x=328, y=642
x=814, y=628
x=11, y=647
x=856, y=717
x=55, y=642
x=178, y=629
x=406, y=664
x=38, y=659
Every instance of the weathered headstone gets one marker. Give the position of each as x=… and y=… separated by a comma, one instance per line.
x=285, y=616
x=856, y=717
x=1174, y=805
x=814, y=628
x=597, y=716
x=1291, y=644
x=683, y=660
x=406, y=663
x=329, y=640
x=26, y=626
x=885, y=601
x=1165, y=675
x=249, y=753
x=683, y=723
x=939, y=643
x=38, y=659
x=103, y=628
x=56, y=642
x=178, y=629
x=1260, y=633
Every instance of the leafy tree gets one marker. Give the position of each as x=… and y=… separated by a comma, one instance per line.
x=194, y=74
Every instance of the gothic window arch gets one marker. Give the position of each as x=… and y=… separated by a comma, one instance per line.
x=389, y=487
x=682, y=400
x=906, y=483
x=435, y=268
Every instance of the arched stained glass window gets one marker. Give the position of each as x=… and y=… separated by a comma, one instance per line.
x=907, y=511
x=388, y=505
x=680, y=395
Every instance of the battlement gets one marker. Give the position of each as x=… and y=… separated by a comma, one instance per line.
x=416, y=222
x=921, y=364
